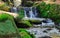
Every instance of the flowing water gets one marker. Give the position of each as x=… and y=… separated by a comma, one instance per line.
x=39, y=32
x=30, y=12
x=25, y=14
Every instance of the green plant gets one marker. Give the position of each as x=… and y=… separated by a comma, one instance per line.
x=49, y=11
x=21, y=14
x=43, y=9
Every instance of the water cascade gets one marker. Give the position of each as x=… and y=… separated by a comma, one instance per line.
x=30, y=12
x=35, y=11
x=25, y=14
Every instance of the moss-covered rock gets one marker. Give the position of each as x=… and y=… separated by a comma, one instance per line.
x=35, y=21
x=27, y=23
x=5, y=16
x=24, y=24
x=25, y=34
x=8, y=28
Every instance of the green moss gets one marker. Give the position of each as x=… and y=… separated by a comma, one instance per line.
x=21, y=29
x=5, y=16
x=24, y=33
x=7, y=26
x=26, y=22
x=34, y=21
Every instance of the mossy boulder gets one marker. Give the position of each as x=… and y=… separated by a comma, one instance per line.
x=27, y=23
x=25, y=34
x=24, y=24
x=8, y=27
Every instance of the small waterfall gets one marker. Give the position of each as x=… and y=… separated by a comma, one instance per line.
x=14, y=9
x=26, y=9
x=35, y=11
x=25, y=14
x=30, y=12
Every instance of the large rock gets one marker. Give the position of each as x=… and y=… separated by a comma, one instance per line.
x=8, y=28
